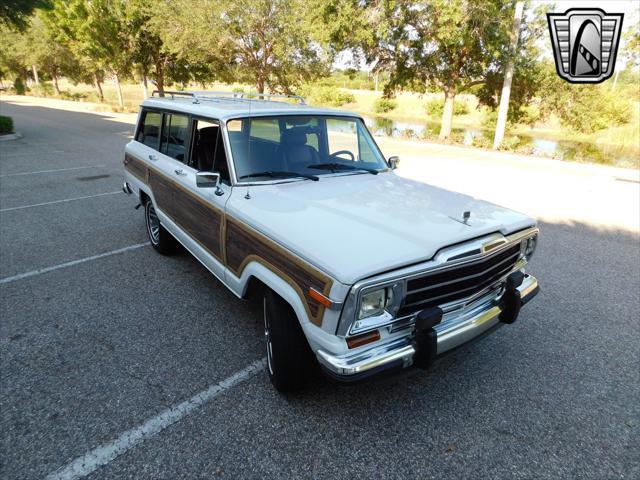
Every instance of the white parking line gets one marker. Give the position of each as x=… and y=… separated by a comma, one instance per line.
x=49, y=171
x=59, y=201
x=105, y=453
x=6, y=155
x=40, y=271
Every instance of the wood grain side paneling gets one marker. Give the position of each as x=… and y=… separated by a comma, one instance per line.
x=162, y=189
x=200, y=220
x=229, y=240
x=193, y=214
x=243, y=244
x=136, y=167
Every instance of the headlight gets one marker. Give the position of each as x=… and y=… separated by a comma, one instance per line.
x=528, y=246
x=374, y=303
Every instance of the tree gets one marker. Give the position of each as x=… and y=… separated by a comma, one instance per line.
x=584, y=108
x=508, y=78
x=99, y=34
x=14, y=54
x=147, y=50
x=453, y=45
x=16, y=13
x=273, y=43
x=527, y=76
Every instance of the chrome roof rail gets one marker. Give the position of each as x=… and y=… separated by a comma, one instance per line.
x=228, y=96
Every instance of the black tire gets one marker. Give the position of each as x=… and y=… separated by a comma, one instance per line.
x=289, y=358
x=161, y=240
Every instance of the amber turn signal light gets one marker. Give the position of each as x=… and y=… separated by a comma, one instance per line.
x=320, y=298
x=363, y=339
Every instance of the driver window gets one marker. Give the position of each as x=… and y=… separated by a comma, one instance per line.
x=343, y=135
x=208, y=153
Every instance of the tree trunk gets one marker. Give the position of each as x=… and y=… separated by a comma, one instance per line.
x=447, y=114
x=160, y=76
x=145, y=87
x=54, y=77
x=116, y=80
x=36, y=78
x=508, y=77
x=260, y=85
x=96, y=82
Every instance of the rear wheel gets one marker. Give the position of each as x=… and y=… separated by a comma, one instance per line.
x=160, y=239
x=289, y=358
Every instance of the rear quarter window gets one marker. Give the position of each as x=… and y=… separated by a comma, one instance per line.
x=149, y=129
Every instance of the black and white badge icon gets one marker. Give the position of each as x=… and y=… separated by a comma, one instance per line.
x=585, y=43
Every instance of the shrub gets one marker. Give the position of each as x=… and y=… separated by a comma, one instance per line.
x=384, y=105
x=18, y=86
x=435, y=106
x=6, y=125
x=330, y=96
x=76, y=96
x=584, y=108
x=43, y=89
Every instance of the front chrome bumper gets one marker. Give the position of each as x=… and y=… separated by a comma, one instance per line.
x=399, y=352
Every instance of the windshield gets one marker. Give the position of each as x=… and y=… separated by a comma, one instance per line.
x=266, y=148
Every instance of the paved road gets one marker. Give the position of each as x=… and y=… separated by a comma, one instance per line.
x=97, y=348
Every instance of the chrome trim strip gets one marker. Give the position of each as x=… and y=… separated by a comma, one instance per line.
x=451, y=334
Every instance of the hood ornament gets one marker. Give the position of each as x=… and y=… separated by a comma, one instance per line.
x=465, y=218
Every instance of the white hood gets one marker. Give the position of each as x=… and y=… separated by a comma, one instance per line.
x=356, y=226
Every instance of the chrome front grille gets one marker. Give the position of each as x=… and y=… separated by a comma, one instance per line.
x=442, y=287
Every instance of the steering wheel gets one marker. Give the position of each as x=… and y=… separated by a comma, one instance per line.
x=334, y=155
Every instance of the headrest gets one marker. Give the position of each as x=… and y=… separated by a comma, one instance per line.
x=207, y=134
x=294, y=136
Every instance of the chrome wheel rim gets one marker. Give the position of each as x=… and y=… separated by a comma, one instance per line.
x=267, y=337
x=153, y=224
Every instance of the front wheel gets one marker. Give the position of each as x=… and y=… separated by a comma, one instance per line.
x=160, y=239
x=289, y=357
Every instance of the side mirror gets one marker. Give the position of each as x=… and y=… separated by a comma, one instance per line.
x=394, y=162
x=207, y=179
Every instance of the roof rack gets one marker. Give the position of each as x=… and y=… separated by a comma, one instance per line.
x=228, y=96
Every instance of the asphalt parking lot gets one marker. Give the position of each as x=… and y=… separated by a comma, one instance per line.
x=110, y=336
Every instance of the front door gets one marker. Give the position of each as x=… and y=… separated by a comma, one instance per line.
x=196, y=145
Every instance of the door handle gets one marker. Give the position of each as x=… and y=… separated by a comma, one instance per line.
x=152, y=157
x=179, y=171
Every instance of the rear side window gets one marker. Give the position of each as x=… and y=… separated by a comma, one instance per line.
x=149, y=131
x=174, y=136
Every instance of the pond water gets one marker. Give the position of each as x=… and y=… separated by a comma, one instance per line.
x=526, y=144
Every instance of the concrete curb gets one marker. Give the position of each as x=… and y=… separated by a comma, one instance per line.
x=10, y=136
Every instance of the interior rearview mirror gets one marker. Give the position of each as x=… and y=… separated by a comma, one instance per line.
x=394, y=162
x=207, y=179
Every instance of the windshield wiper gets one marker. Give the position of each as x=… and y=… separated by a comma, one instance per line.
x=281, y=175
x=340, y=166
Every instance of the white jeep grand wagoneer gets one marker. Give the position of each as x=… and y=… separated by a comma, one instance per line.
x=362, y=271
